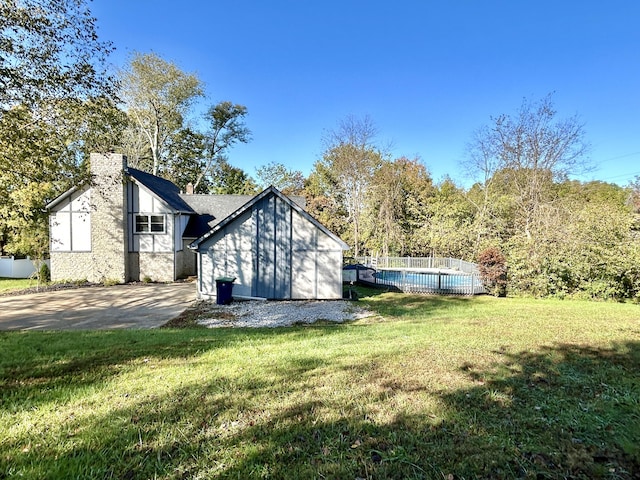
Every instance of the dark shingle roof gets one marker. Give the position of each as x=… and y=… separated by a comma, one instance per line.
x=293, y=202
x=219, y=205
x=163, y=189
x=211, y=209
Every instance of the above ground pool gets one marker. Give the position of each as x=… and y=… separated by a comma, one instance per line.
x=430, y=281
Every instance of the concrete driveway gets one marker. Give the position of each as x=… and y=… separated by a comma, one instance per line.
x=93, y=308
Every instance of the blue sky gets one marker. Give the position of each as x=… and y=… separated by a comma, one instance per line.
x=428, y=73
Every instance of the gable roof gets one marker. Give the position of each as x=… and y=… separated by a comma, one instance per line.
x=206, y=210
x=211, y=209
x=255, y=199
x=163, y=189
x=62, y=196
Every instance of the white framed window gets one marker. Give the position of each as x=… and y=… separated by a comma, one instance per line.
x=148, y=223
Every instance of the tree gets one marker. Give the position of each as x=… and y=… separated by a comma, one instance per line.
x=41, y=166
x=24, y=183
x=56, y=104
x=348, y=165
x=493, y=271
x=325, y=202
x=289, y=182
x=396, y=205
x=446, y=229
x=229, y=180
x=531, y=150
x=41, y=159
x=226, y=127
x=158, y=97
x=49, y=50
x=582, y=251
x=186, y=159
x=633, y=201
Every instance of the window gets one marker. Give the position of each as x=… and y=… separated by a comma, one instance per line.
x=157, y=223
x=150, y=224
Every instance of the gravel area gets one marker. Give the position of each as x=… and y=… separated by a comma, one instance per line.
x=280, y=313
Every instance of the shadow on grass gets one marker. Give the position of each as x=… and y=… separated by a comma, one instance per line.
x=564, y=411
x=45, y=366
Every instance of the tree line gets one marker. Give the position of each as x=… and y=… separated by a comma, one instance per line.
x=555, y=236
x=59, y=102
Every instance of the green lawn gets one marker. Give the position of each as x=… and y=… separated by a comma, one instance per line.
x=9, y=284
x=433, y=387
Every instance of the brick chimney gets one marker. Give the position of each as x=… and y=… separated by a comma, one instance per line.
x=109, y=245
x=189, y=189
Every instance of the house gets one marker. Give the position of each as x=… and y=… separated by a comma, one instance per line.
x=129, y=225
x=274, y=250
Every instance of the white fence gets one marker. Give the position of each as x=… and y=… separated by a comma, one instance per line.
x=11, y=267
x=408, y=263
x=447, y=276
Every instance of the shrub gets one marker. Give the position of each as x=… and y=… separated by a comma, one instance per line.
x=493, y=271
x=44, y=274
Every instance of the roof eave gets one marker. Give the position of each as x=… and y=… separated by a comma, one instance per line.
x=61, y=197
x=155, y=195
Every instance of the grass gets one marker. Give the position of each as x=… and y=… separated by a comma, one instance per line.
x=432, y=387
x=11, y=284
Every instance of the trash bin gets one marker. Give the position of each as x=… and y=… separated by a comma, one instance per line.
x=224, y=288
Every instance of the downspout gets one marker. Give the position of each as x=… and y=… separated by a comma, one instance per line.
x=199, y=272
x=176, y=221
x=290, y=259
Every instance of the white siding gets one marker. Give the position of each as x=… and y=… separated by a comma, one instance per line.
x=81, y=231
x=70, y=224
x=164, y=242
x=304, y=279
x=304, y=233
x=316, y=262
x=60, y=231
x=180, y=224
x=231, y=255
x=329, y=271
x=141, y=202
x=326, y=243
x=206, y=279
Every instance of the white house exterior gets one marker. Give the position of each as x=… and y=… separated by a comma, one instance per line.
x=126, y=225
x=129, y=225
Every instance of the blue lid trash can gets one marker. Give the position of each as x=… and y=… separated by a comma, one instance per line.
x=224, y=289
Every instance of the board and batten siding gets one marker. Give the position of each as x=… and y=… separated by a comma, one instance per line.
x=70, y=237
x=70, y=223
x=273, y=252
x=142, y=202
x=228, y=253
x=316, y=262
